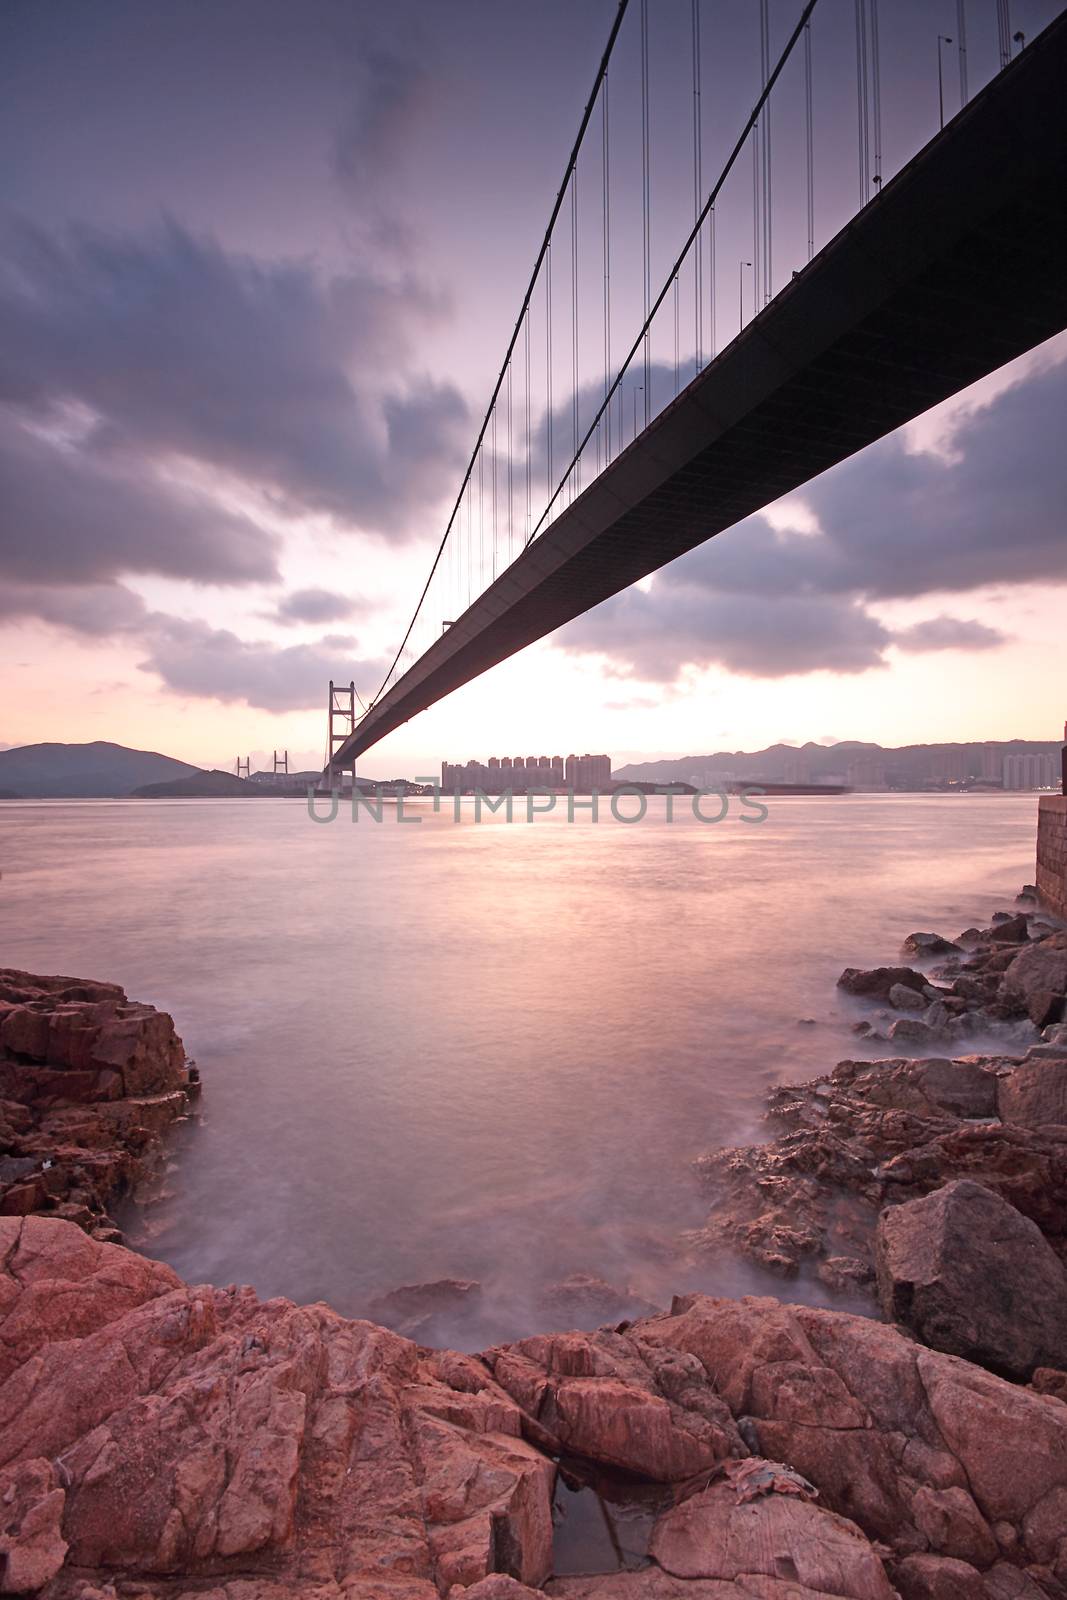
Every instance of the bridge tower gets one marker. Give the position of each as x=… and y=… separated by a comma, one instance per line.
x=244, y=768
x=281, y=764
x=340, y=724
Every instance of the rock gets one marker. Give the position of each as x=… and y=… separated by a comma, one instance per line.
x=1050, y=1380
x=928, y=944
x=32, y=1547
x=913, y=1030
x=1035, y=1093
x=585, y=1301
x=972, y=1277
x=89, y=1083
x=413, y=1309
x=495, y=1587
x=1009, y=930
x=902, y=998
x=200, y=1429
x=611, y=1404
x=202, y=1445
x=925, y=1577
x=875, y=983
x=1057, y=1034
x=871, y=1419
x=1036, y=979
x=716, y=1535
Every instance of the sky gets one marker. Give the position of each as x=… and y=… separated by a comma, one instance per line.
x=258, y=267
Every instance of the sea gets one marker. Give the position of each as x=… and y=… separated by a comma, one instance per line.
x=441, y=1046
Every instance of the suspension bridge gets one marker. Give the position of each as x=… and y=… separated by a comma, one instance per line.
x=748, y=371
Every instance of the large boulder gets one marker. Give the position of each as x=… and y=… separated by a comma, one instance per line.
x=718, y=1534
x=1036, y=980
x=971, y=1276
x=1035, y=1093
x=874, y=983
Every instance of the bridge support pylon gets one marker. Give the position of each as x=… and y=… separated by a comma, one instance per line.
x=340, y=724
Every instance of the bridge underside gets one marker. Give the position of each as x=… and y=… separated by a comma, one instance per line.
x=957, y=267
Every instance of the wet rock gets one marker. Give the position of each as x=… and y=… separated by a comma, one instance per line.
x=716, y=1535
x=913, y=1031
x=586, y=1301
x=1036, y=980
x=903, y=998
x=928, y=944
x=89, y=1084
x=875, y=1133
x=876, y=982
x=413, y=1309
x=1009, y=930
x=972, y=1277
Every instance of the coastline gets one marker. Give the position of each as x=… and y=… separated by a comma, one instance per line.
x=167, y=1442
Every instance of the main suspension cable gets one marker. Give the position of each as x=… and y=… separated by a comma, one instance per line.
x=528, y=296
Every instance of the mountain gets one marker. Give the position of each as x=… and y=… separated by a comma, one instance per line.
x=197, y=785
x=864, y=765
x=97, y=770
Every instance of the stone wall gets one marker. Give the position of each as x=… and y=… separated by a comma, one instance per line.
x=1052, y=852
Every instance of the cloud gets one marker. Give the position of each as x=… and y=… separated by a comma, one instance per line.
x=316, y=605
x=196, y=660
x=102, y=610
x=654, y=635
x=948, y=633
x=299, y=387
x=767, y=601
x=72, y=517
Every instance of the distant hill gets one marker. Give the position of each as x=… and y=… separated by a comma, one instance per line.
x=197, y=785
x=911, y=766
x=92, y=771
x=9, y=794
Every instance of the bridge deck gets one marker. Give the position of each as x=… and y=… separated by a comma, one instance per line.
x=958, y=266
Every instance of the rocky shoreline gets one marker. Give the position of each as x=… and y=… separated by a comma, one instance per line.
x=90, y=1083
x=166, y=1442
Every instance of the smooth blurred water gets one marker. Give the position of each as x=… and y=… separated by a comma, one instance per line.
x=482, y=1051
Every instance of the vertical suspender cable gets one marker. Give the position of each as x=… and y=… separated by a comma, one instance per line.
x=876, y=96
x=646, y=207
x=529, y=454
x=677, y=385
x=765, y=70
x=494, y=492
x=574, y=326
x=809, y=133
x=607, y=262
x=861, y=99
x=548, y=367
x=698, y=246
x=961, y=36
x=1004, y=31
x=530, y=289
x=481, y=520
x=511, y=481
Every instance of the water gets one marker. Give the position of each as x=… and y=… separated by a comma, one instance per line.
x=484, y=1051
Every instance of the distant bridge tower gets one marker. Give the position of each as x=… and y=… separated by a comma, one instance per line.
x=340, y=723
x=281, y=765
x=244, y=768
